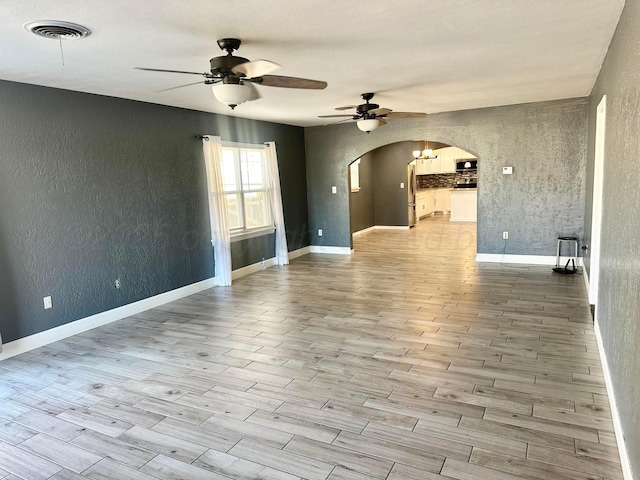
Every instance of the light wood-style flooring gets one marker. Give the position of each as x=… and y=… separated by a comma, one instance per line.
x=404, y=361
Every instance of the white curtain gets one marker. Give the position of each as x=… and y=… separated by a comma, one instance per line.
x=218, y=213
x=282, y=253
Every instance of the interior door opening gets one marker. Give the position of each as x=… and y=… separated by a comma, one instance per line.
x=414, y=184
x=596, y=212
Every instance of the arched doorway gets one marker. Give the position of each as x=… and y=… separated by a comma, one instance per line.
x=381, y=193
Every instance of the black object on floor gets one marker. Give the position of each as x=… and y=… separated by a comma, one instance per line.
x=566, y=268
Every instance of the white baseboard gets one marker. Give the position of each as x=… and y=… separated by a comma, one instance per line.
x=332, y=250
x=300, y=252
x=270, y=262
x=41, y=339
x=249, y=269
x=523, y=259
x=470, y=219
x=363, y=231
x=380, y=227
x=625, y=462
x=392, y=227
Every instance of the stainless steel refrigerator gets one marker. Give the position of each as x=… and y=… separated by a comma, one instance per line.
x=411, y=194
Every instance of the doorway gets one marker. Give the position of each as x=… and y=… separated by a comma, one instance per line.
x=596, y=212
x=380, y=200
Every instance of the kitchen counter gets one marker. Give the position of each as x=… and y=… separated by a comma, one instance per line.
x=464, y=204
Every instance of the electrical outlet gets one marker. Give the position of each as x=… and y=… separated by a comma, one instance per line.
x=505, y=235
x=319, y=232
x=47, y=303
x=401, y=184
x=334, y=189
x=117, y=283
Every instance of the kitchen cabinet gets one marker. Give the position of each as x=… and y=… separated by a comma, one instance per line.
x=447, y=160
x=443, y=200
x=432, y=200
x=444, y=163
x=423, y=202
x=464, y=205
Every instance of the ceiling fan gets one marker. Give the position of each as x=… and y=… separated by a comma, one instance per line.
x=233, y=78
x=370, y=116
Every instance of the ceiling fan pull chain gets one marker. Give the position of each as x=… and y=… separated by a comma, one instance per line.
x=61, y=51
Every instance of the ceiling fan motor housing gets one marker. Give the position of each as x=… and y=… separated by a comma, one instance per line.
x=365, y=107
x=221, y=66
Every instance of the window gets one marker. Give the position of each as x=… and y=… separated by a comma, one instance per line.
x=246, y=186
x=354, y=171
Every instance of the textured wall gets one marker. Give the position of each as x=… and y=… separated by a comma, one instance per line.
x=544, y=142
x=361, y=208
x=96, y=188
x=618, y=302
x=390, y=169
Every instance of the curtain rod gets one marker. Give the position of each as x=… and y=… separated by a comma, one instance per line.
x=206, y=138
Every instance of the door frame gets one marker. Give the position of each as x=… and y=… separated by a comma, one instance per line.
x=596, y=208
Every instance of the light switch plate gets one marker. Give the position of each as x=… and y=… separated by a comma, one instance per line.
x=401, y=184
x=334, y=189
x=47, y=303
x=507, y=170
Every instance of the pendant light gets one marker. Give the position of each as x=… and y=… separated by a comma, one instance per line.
x=424, y=154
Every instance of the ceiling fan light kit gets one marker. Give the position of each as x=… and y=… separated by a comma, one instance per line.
x=232, y=94
x=228, y=76
x=370, y=116
x=368, y=124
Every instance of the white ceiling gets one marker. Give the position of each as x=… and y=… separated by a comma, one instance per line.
x=417, y=55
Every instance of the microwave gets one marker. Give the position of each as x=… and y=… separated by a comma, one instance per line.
x=466, y=165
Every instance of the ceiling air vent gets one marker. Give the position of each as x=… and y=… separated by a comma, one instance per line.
x=56, y=29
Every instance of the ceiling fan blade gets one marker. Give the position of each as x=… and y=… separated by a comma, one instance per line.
x=346, y=107
x=334, y=116
x=170, y=71
x=379, y=111
x=382, y=121
x=405, y=115
x=257, y=68
x=255, y=94
x=288, y=82
x=179, y=86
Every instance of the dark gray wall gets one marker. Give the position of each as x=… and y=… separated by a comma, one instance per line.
x=361, y=208
x=390, y=169
x=95, y=188
x=618, y=302
x=544, y=142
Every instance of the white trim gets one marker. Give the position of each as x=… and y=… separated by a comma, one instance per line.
x=332, y=250
x=253, y=233
x=269, y=262
x=469, y=219
x=586, y=278
x=363, y=231
x=523, y=259
x=597, y=203
x=392, y=227
x=300, y=252
x=625, y=462
x=253, y=268
x=380, y=227
x=38, y=340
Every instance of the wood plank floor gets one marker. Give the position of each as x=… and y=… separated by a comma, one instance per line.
x=404, y=361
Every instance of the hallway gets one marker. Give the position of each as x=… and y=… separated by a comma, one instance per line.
x=405, y=361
